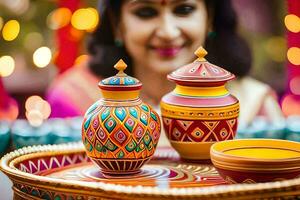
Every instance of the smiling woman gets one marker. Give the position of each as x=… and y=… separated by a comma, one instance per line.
x=154, y=37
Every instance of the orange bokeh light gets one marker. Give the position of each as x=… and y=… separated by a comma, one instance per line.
x=292, y=23
x=295, y=85
x=59, y=18
x=293, y=55
x=290, y=105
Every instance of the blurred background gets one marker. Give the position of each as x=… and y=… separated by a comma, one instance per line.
x=41, y=39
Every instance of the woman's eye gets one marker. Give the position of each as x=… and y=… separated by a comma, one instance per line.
x=183, y=10
x=146, y=12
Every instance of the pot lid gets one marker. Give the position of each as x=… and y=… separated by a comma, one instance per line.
x=120, y=81
x=201, y=72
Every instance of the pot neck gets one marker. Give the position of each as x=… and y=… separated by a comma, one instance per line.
x=201, y=91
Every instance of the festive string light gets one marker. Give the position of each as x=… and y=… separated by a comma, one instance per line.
x=295, y=85
x=85, y=19
x=42, y=57
x=59, y=18
x=17, y=6
x=95, y=20
x=293, y=55
x=46, y=110
x=290, y=106
x=37, y=110
x=11, y=30
x=292, y=23
x=33, y=102
x=7, y=66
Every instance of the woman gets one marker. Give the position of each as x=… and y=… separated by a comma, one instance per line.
x=155, y=37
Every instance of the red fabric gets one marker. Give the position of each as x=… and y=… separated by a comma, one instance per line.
x=68, y=46
x=4, y=98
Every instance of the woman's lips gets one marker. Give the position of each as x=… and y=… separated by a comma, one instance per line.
x=167, y=51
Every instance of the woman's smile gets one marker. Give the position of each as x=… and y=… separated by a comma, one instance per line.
x=167, y=51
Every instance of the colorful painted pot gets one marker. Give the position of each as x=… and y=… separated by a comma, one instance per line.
x=120, y=132
x=256, y=160
x=199, y=111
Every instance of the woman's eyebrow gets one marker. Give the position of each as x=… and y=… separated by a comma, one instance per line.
x=156, y=1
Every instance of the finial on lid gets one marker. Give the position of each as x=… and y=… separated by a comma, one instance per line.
x=121, y=66
x=201, y=53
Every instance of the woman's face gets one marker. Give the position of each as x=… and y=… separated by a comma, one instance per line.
x=163, y=34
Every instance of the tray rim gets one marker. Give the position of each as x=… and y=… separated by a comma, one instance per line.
x=17, y=175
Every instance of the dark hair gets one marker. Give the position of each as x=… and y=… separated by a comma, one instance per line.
x=226, y=48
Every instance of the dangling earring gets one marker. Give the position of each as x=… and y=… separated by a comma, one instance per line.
x=211, y=34
x=119, y=42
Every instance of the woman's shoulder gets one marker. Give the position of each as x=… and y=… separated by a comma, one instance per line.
x=254, y=84
x=74, y=75
x=76, y=82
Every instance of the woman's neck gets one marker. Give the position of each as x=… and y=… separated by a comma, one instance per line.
x=155, y=85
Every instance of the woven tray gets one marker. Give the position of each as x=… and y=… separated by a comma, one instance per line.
x=65, y=172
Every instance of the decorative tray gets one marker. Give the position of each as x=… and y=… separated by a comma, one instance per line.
x=65, y=172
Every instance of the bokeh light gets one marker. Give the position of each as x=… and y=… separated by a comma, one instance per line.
x=7, y=66
x=295, y=85
x=33, y=103
x=17, y=6
x=85, y=19
x=46, y=110
x=42, y=57
x=276, y=48
x=293, y=55
x=81, y=59
x=33, y=40
x=290, y=105
x=37, y=110
x=34, y=117
x=11, y=30
x=59, y=18
x=292, y=23
x=76, y=34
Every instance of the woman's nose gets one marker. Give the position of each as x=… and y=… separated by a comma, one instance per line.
x=167, y=28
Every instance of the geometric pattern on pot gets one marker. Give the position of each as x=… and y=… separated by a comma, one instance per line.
x=121, y=132
x=201, y=113
x=199, y=130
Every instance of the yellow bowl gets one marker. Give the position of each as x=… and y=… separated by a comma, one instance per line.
x=256, y=160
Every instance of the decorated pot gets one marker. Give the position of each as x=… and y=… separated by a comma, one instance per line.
x=199, y=111
x=120, y=132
